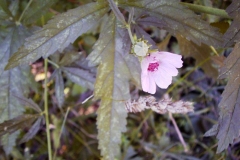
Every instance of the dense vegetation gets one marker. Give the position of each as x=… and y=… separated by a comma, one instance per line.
x=74, y=85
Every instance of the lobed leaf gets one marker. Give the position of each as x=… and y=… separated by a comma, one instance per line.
x=4, y=6
x=233, y=33
x=79, y=76
x=12, y=82
x=228, y=123
x=116, y=67
x=199, y=53
x=58, y=33
x=36, y=10
x=32, y=131
x=28, y=102
x=175, y=18
x=12, y=125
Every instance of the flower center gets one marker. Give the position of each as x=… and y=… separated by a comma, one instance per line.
x=153, y=66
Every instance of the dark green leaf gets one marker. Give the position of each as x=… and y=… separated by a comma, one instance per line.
x=79, y=76
x=4, y=6
x=200, y=53
x=175, y=18
x=116, y=67
x=12, y=82
x=229, y=107
x=69, y=58
x=36, y=10
x=59, y=88
x=28, y=103
x=20, y=122
x=58, y=33
x=233, y=33
x=32, y=131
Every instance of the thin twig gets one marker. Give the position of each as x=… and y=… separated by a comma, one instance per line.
x=63, y=124
x=178, y=132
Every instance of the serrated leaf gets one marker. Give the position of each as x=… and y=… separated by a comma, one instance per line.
x=36, y=10
x=199, y=53
x=59, y=88
x=212, y=132
x=175, y=18
x=32, y=131
x=14, y=6
x=28, y=102
x=141, y=33
x=58, y=33
x=12, y=82
x=233, y=33
x=69, y=58
x=4, y=6
x=116, y=11
x=116, y=67
x=229, y=126
x=79, y=76
x=20, y=122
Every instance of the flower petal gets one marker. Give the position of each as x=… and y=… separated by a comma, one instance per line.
x=144, y=65
x=171, y=58
x=162, y=79
x=148, y=84
x=168, y=69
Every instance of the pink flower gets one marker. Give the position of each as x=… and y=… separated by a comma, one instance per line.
x=158, y=68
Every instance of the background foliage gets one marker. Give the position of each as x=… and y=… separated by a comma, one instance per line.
x=57, y=54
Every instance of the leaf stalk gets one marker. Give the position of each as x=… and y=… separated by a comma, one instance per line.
x=25, y=9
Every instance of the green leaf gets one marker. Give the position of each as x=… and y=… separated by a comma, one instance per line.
x=233, y=33
x=4, y=6
x=14, y=6
x=12, y=82
x=59, y=88
x=32, y=131
x=229, y=125
x=175, y=18
x=69, y=58
x=58, y=33
x=200, y=53
x=80, y=76
x=36, y=10
x=28, y=103
x=116, y=67
x=20, y=122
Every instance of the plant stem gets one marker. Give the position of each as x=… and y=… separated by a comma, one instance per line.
x=46, y=110
x=25, y=9
x=208, y=10
x=53, y=63
x=63, y=124
x=130, y=33
x=178, y=132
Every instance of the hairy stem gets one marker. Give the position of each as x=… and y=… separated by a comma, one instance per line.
x=208, y=10
x=46, y=110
